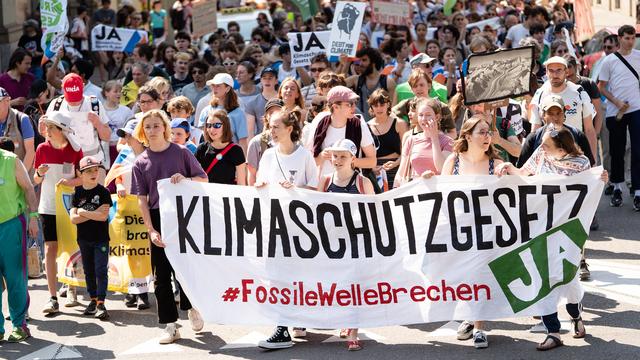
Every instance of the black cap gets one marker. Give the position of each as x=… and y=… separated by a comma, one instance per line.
x=270, y=70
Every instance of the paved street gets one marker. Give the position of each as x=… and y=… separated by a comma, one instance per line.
x=612, y=315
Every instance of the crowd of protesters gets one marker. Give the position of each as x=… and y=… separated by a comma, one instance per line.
x=231, y=110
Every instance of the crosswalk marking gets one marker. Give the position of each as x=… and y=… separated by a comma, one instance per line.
x=248, y=341
x=614, y=280
x=152, y=346
x=54, y=351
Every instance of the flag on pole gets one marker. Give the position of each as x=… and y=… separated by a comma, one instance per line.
x=55, y=24
x=448, y=6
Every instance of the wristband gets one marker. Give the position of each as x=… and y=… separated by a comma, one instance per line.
x=38, y=174
x=34, y=214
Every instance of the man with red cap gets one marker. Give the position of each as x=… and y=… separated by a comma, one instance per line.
x=90, y=125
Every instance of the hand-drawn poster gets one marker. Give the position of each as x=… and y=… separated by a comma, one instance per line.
x=345, y=29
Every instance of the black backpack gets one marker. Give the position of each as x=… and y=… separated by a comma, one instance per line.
x=177, y=19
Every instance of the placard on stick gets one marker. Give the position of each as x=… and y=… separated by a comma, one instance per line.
x=204, y=17
x=497, y=75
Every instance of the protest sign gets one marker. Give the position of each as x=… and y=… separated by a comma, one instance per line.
x=345, y=29
x=497, y=75
x=204, y=17
x=391, y=12
x=55, y=24
x=306, y=45
x=451, y=247
x=129, y=267
x=107, y=38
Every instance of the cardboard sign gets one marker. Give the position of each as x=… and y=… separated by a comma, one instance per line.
x=390, y=12
x=204, y=17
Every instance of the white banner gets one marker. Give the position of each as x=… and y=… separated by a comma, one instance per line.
x=448, y=248
x=107, y=38
x=345, y=28
x=306, y=45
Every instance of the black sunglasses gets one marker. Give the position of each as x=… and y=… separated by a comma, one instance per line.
x=213, y=125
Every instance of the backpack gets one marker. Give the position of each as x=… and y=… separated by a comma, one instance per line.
x=177, y=19
x=33, y=118
x=95, y=104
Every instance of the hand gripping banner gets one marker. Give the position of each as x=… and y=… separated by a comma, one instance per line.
x=447, y=248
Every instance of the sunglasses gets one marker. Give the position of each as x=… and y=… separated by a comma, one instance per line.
x=608, y=47
x=257, y=39
x=229, y=63
x=197, y=72
x=320, y=69
x=213, y=125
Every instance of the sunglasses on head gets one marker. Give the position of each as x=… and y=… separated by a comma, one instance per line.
x=213, y=125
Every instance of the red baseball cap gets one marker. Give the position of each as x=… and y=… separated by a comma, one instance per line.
x=72, y=87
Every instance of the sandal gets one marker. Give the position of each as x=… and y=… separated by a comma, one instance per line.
x=555, y=342
x=579, y=331
x=354, y=345
x=344, y=333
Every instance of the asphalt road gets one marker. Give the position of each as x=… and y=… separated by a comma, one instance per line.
x=612, y=318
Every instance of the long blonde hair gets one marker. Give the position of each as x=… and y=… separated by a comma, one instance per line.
x=138, y=132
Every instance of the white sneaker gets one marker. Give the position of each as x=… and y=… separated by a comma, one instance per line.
x=465, y=330
x=72, y=297
x=169, y=334
x=299, y=332
x=195, y=320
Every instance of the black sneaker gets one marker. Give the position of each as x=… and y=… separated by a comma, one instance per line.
x=279, y=340
x=91, y=308
x=585, y=274
x=102, y=312
x=130, y=300
x=616, y=198
x=636, y=203
x=595, y=225
x=144, y=301
x=608, y=190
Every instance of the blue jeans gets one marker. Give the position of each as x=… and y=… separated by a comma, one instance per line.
x=617, y=145
x=552, y=323
x=95, y=262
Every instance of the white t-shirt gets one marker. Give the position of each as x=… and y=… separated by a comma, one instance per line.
x=118, y=117
x=283, y=74
x=333, y=135
x=577, y=104
x=516, y=33
x=84, y=132
x=298, y=167
x=621, y=82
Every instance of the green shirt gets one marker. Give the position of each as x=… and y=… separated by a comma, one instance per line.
x=403, y=91
x=506, y=130
x=11, y=194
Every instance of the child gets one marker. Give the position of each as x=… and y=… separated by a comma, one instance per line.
x=181, y=107
x=90, y=212
x=180, y=133
x=56, y=161
x=345, y=179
